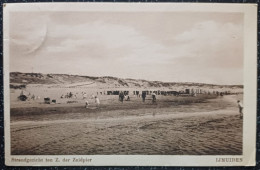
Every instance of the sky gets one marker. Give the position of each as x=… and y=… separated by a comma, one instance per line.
x=159, y=46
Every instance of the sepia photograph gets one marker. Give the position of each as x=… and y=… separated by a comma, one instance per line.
x=119, y=81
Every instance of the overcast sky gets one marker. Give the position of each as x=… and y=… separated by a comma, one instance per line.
x=170, y=47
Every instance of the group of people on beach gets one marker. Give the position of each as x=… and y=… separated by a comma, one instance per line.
x=153, y=97
x=123, y=97
x=97, y=101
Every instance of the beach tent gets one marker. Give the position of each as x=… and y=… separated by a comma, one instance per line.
x=22, y=97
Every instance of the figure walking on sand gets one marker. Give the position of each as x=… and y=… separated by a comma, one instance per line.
x=240, y=106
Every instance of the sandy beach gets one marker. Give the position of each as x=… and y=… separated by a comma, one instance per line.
x=209, y=127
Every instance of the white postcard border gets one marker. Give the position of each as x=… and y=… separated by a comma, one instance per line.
x=250, y=87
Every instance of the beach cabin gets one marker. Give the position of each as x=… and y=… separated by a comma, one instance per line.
x=47, y=100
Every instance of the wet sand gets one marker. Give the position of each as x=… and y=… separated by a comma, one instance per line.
x=210, y=127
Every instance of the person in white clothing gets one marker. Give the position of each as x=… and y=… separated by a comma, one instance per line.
x=240, y=107
x=154, y=97
x=97, y=101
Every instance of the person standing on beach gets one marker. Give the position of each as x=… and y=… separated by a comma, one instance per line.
x=154, y=97
x=87, y=104
x=240, y=106
x=121, y=96
x=97, y=101
x=143, y=96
